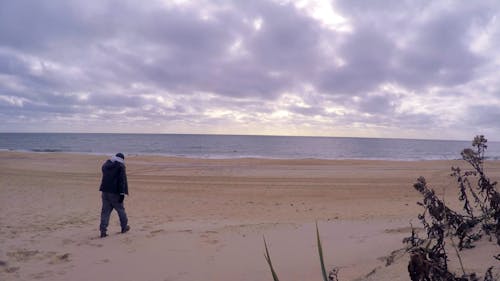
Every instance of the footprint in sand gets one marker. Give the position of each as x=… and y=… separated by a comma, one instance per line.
x=104, y=261
x=157, y=231
x=211, y=241
x=43, y=274
x=60, y=259
x=67, y=241
x=23, y=255
x=8, y=269
x=128, y=240
x=208, y=240
x=12, y=269
x=90, y=242
x=154, y=233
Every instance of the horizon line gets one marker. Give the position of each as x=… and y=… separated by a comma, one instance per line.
x=249, y=135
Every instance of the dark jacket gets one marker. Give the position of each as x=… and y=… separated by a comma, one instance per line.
x=114, y=178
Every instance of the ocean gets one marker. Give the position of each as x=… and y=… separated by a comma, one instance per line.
x=228, y=146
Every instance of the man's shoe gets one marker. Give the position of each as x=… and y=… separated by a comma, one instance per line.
x=125, y=229
x=103, y=234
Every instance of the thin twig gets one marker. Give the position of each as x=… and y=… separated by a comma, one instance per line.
x=458, y=254
x=451, y=237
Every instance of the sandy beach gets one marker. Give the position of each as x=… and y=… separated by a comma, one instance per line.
x=205, y=219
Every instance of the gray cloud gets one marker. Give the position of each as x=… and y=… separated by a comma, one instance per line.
x=440, y=55
x=484, y=116
x=79, y=59
x=366, y=54
x=378, y=105
x=414, y=46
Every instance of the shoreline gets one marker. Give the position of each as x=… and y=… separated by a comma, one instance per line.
x=49, y=151
x=196, y=219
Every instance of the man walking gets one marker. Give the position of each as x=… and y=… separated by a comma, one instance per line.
x=114, y=187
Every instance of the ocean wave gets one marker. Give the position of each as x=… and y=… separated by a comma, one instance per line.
x=47, y=150
x=228, y=147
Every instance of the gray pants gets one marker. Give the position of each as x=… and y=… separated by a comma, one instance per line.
x=110, y=201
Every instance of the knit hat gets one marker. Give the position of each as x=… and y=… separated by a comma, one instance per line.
x=120, y=155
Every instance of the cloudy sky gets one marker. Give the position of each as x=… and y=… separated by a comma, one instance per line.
x=392, y=68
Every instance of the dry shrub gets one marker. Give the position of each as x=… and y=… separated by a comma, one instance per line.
x=480, y=217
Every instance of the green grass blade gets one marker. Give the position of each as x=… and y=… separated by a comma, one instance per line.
x=320, y=251
x=268, y=259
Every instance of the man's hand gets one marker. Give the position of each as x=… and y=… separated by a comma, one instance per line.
x=122, y=197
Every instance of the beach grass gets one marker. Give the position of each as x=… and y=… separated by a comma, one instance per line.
x=320, y=253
